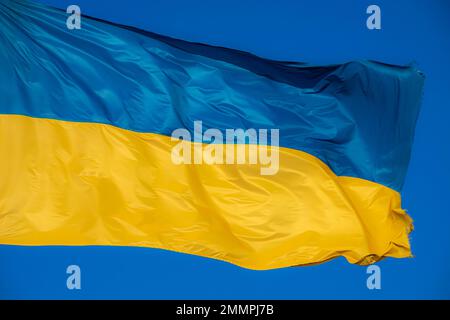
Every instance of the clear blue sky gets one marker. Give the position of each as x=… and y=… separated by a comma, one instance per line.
x=319, y=32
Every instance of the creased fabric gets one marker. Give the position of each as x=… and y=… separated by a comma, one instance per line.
x=85, y=123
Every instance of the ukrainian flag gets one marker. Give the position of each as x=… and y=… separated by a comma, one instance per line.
x=86, y=118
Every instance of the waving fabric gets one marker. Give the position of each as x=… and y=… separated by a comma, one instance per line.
x=86, y=124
